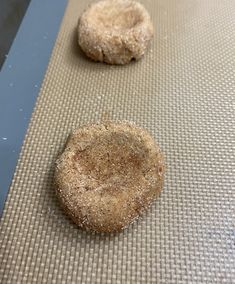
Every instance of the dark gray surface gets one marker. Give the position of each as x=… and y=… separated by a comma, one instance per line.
x=11, y=15
x=20, y=80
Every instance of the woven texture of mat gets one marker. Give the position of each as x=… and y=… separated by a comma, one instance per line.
x=183, y=92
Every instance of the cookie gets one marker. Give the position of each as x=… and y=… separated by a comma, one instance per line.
x=115, y=31
x=108, y=174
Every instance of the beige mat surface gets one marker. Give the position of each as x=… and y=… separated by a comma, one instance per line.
x=183, y=92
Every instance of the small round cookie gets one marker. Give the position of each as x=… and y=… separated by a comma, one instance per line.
x=108, y=174
x=115, y=31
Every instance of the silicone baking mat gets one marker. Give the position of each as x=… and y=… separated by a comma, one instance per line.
x=182, y=91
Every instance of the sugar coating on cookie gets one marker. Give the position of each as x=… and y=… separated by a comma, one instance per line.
x=108, y=174
x=115, y=31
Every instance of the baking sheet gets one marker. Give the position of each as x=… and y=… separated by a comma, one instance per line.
x=182, y=91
